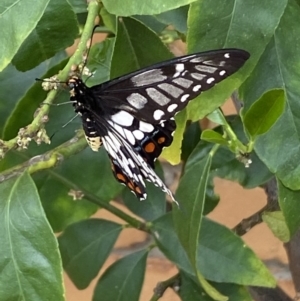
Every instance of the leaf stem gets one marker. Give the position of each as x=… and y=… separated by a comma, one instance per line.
x=35, y=129
x=234, y=143
x=162, y=286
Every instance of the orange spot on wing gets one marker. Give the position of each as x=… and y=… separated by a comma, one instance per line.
x=138, y=190
x=161, y=140
x=121, y=177
x=130, y=185
x=150, y=147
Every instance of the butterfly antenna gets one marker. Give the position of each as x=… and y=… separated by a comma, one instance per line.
x=74, y=117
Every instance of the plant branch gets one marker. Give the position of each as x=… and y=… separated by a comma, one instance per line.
x=56, y=156
x=162, y=286
x=272, y=205
x=35, y=130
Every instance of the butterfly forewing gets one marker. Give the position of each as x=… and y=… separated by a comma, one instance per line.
x=133, y=115
x=159, y=92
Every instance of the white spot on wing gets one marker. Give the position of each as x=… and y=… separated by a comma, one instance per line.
x=129, y=136
x=122, y=118
x=227, y=55
x=158, y=97
x=198, y=59
x=146, y=127
x=223, y=72
x=172, y=107
x=183, y=82
x=137, y=100
x=158, y=114
x=171, y=89
x=210, y=80
x=196, y=88
x=179, y=68
x=198, y=76
x=148, y=77
x=138, y=134
x=206, y=69
x=184, y=97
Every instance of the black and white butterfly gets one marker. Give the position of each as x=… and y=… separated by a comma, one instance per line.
x=132, y=115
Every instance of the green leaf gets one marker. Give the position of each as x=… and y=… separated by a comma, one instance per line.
x=258, y=26
x=176, y=17
x=276, y=222
x=190, y=140
x=152, y=22
x=124, y=279
x=55, y=31
x=132, y=51
x=154, y=206
x=85, y=246
x=173, y=152
x=87, y=170
x=213, y=137
x=225, y=163
x=190, y=290
x=223, y=257
x=24, y=106
x=30, y=261
x=99, y=61
x=12, y=98
x=191, y=197
x=18, y=20
x=290, y=206
x=151, y=7
x=167, y=241
x=263, y=114
x=279, y=69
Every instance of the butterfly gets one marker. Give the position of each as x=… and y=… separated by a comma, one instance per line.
x=133, y=115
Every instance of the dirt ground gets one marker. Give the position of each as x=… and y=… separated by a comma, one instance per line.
x=236, y=203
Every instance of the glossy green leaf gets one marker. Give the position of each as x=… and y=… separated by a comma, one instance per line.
x=167, y=241
x=225, y=163
x=262, y=115
x=190, y=290
x=30, y=261
x=132, y=51
x=99, y=61
x=87, y=170
x=258, y=26
x=152, y=22
x=173, y=152
x=290, y=206
x=176, y=17
x=124, y=278
x=79, y=6
x=151, y=7
x=216, y=117
x=276, y=222
x=223, y=257
x=28, y=101
x=85, y=246
x=190, y=140
x=155, y=204
x=213, y=137
x=279, y=69
x=11, y=98
x=191, y=197
x=17, y=21
x=55, y=31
